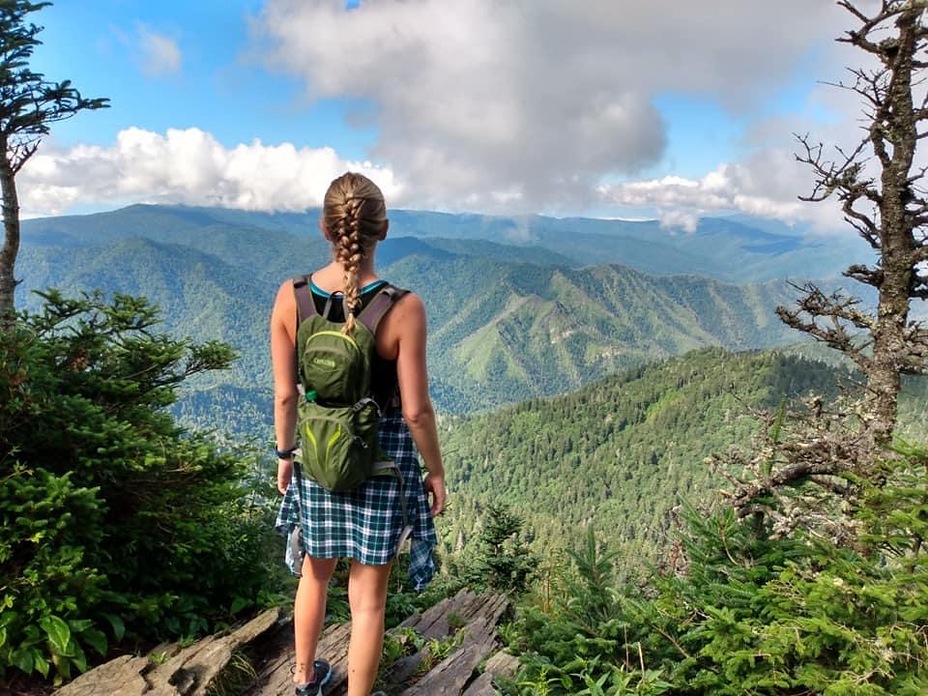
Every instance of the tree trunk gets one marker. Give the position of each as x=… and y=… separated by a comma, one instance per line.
x=10, y=206
x=895, y=122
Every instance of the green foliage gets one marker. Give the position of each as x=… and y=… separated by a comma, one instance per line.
x=801, y=617
x=404, y=642
x=114, y=521
x=44, y=574
x=896, y=514
x=749, y=615
x=592, y=594
x=500, y=560
x=581, y=644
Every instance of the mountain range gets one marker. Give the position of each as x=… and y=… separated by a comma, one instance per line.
x=518, y=307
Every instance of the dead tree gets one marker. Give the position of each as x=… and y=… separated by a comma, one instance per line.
x=881, y=188
x=811, y=464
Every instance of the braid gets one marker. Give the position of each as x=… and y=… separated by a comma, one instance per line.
x=349, y=255
x=354, y=215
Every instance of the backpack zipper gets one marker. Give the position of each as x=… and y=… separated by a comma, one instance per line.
x=337, y=333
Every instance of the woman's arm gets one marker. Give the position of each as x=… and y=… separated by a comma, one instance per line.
x=283, y=361
x=408, y=320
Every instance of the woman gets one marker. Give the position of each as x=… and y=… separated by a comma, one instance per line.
x=354, y=219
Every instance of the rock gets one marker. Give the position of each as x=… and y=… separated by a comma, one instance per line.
x=188, y=672
x=267, y=640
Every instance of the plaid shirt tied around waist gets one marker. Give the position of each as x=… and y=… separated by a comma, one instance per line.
x=365, y=523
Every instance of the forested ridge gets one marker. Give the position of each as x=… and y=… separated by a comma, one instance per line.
x=618, y=456
x=732, y=249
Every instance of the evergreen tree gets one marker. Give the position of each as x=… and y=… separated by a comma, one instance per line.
x=29, y=104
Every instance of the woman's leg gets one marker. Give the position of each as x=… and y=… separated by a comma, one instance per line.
x=367, y=597
x=309, y=613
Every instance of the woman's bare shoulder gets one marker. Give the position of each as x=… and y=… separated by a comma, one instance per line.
x=408, y=308
x=284, y=304
x=285, y=292
x=410, y=300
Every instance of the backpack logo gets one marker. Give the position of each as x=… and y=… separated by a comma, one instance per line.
x=338, y=417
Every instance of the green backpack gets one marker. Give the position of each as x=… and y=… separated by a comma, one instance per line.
x=337, y=416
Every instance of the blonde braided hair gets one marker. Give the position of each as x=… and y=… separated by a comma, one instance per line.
x=354, y=214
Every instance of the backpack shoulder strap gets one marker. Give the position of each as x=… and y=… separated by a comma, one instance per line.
x=305, y=307
x=375, y=310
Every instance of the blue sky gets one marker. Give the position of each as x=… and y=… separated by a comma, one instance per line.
x=216, y=84
x=612, y=108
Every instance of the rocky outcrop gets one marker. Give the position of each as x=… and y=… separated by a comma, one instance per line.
x=447, y=644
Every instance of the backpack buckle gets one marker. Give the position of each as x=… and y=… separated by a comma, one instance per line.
x=362, y=404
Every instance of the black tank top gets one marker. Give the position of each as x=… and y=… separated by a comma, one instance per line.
x=384, y=382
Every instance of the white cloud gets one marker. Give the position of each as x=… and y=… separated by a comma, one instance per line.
x=765, y=185
x=158, y=54
x=185, y=166
x=529, y=104
x=516, y=106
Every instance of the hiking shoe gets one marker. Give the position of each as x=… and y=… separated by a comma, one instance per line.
x=322, y=673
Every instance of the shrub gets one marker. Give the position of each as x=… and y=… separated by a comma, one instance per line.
x=114, y=521
x=751, y=615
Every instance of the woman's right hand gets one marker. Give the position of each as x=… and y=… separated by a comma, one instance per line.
x=284, y=474
x=435, y=489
